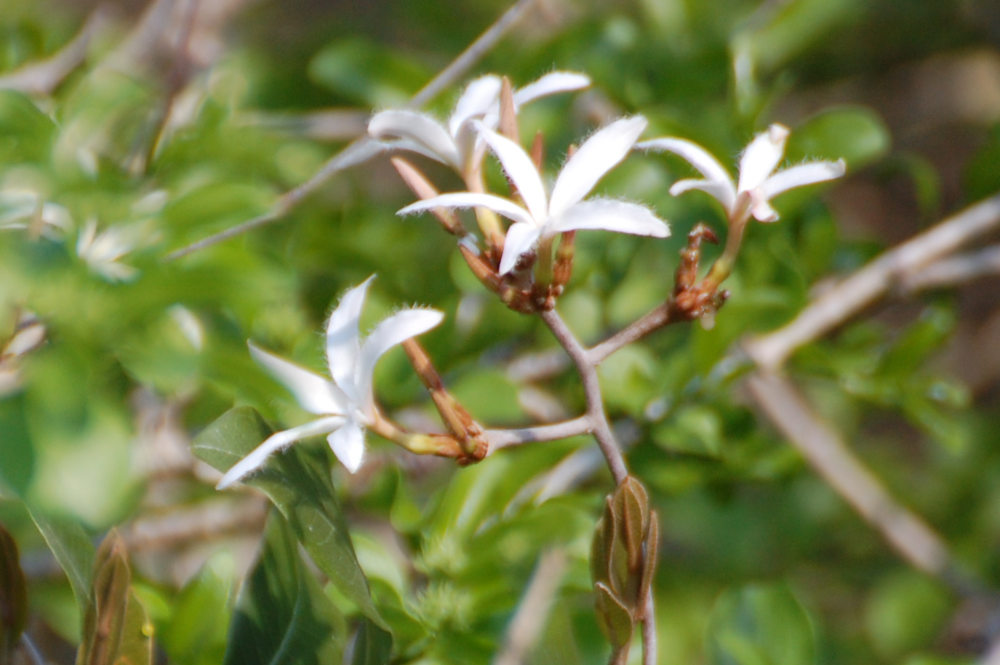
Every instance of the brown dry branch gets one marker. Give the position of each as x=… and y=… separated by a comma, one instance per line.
x=41, y=78
x=876, y=280
x=363, y=149
x=531, y=614
x=824, y=449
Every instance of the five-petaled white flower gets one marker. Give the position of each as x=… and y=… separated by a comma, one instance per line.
x=545, y=215
x=758, y=183
x=455, y=144
x=102, y=251
x=346, y=405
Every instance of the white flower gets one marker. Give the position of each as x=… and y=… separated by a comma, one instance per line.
x=758, y=183
x=345, y=405
x=102, y=251
x=455, y=144
x=23, y=209
x=545, y=215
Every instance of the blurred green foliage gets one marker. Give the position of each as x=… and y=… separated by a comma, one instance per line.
x=760, y=561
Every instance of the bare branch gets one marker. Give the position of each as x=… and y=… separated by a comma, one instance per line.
x=505, y=438
x=874, y=281
x=954, y=270
x=592, y=391
x=831, y=458
x=41, y=78
x=364, y=148
x=526, y=626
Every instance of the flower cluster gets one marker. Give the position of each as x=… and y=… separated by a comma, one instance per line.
x=520, y=262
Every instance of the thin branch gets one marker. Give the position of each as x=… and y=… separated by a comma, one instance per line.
x=831, y=458
x=364, y=148
x=592, y=392
x=34, y=655
x=530, y=617
x=874, y=281
x=954, y=270
x=505, y=438
x=652, y=320
x=41, y=78
x=649, y=631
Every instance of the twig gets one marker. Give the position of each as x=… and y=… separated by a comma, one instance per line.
x=649, y=631
x=531, y=614
x=831, y=458
x=364, y=148
x=874, y=281
x=505, y=438
x=592, y=392
x=41, y=78
x=34, y=654
x=953, y=270
x=652, y=320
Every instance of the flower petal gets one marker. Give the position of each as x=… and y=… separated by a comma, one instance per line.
x=551, y=84
x=722, y=192
x=313, y=393
x=521, y=238
x=499, y=205
x=343, y=339
x=419, y=128
x=761, y=157
x=521, y=171
x=611, y=215
x=276, y=442
x=598, y=155
x=801, y=175
x=478, y=99
x=393, y=330
x=717, y=181
x=348, y=444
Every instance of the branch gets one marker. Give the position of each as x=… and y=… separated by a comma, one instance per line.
x=874, y=281
x=364, y=148
x=41, y=78
x=954, y=270
x=528, y=621
x=832, y=459
x=505, y=438
x=592, y=392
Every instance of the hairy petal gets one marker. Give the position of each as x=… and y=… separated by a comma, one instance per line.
x=598, y=155
x=761, y=157
x=722, y=192
x=419, y=128
x=478, y=99
x=499, y=205
x=275, y=442
x=314, y=393
x=343, y=338
x=801, y=175
x=521, y=237
x=391, y=331
x=348, y=444
x=611, y=215
x=551, y=84
x=717, y=181
x=521, y=170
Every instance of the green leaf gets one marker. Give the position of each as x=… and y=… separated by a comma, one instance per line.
x=856, y=134
x=73, y=551
x=283, y=616
x=613, y=617
x=760, y=624
x=300, y=487
x=360, y=71
x=196, y=631
x=13, y=596
x=904, y=612
x=116, y=630
x=372, y=646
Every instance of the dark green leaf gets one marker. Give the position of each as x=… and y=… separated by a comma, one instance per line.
x=372, y=646
x=300, y=487
x=72, y=549
x=13, y=596
x=282, y=616
x=196, y=632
